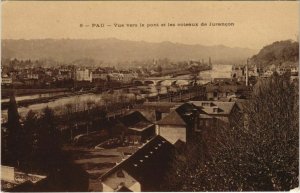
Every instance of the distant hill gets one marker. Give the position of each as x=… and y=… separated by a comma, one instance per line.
x=115, y=50
x=278, y=53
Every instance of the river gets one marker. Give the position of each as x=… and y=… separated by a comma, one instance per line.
x=58, y=105
x=35, y=96
x=79, y=102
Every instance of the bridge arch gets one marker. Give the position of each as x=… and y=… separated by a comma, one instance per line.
x=148, y=82
x=159, y=82
x=138, y=82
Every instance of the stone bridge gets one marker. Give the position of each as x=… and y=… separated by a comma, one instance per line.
x=159, y=80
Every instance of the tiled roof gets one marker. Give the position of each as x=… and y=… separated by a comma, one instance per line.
x=160, y=106
x=136, y=121
x=225, y=86
x=224, y=108
x=172, y=119
x=146, y=164
x=133, y=118
x=141, y=126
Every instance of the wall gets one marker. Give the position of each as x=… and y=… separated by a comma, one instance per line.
x=209, y=95
x=221, y=71
x=112, y=182
x=83, y=75
x=136, y=187
x=172, y=132
x=106, y=188
x=7, y=173
x=220, y=117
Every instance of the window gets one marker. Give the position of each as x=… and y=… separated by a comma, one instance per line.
x=120, y=174
x=207, y=123
x=215, y=110
x=201, y=122
x=206, y=104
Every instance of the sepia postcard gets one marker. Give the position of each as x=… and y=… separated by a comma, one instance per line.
x=149, y=96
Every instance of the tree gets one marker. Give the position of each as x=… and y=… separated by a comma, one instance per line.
x=49, y=143
x=15, y=140
x=31, y=138
x=107, y=100
x=89, y=104
x=123, y=100
x=69, y=107
x=264, y=156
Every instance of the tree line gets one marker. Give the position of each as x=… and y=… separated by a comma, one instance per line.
x=34, y=145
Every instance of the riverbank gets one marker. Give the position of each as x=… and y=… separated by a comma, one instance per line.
x=5, y=92
x=27, y=102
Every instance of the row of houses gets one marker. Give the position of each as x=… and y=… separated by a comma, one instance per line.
x=171, y=120
x=101, y=75
x=240, y=72
x=226, y=90
x=49, y=75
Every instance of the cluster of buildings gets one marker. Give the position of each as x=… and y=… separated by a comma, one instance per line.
x=245, y=72
x=148, y=135
x=157, y=130
x=35, y=73
x=232, y=82
x=175, y=123
x=226, y=90
x=47, y=76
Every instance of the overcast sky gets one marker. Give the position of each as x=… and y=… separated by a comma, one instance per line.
x=256, y=23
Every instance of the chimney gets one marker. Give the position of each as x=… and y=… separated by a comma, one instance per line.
x=157, y=130
x=247, y=73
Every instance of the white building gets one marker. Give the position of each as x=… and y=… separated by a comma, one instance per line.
x=83, y=75
x=6, y=80
x=221, y=71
